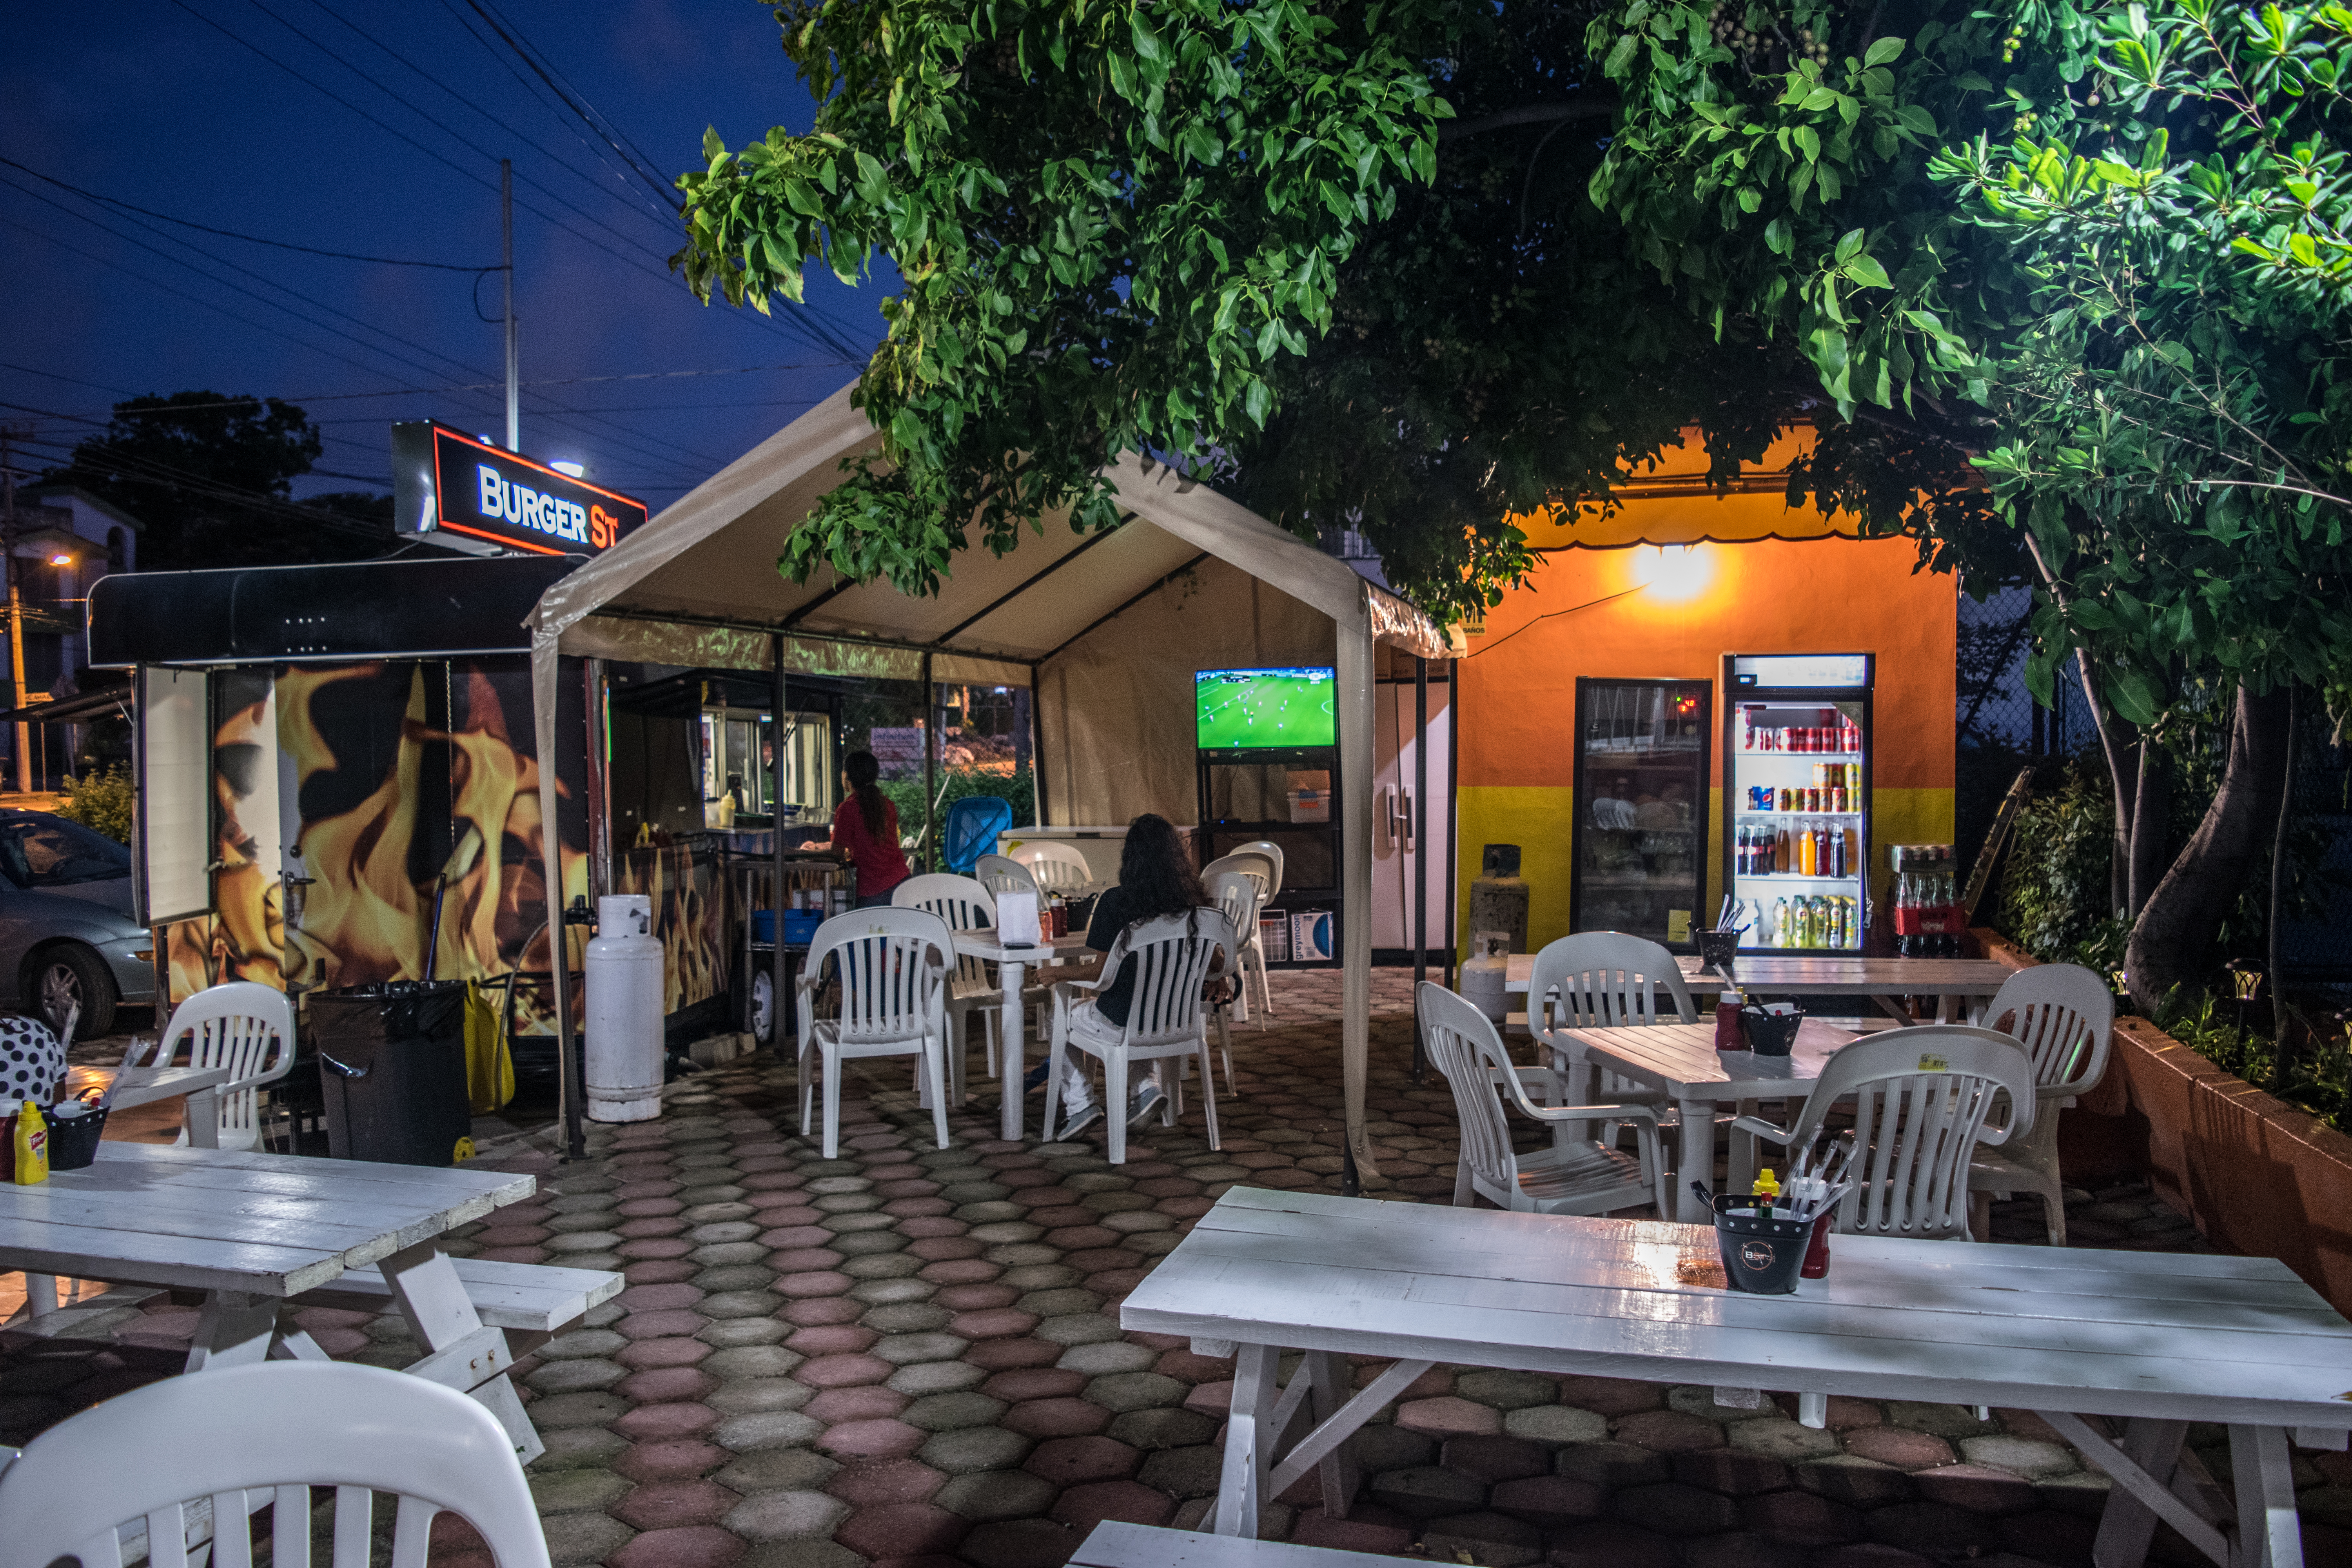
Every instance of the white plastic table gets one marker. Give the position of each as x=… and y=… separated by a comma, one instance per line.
x=1958, y=984
x=1681, y=1059
x=2156, y=1340
x=1013, y=964
x=250, y=1230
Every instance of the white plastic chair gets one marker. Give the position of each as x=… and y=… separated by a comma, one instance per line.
x=245, y=1027
x=1273, y=853
x=1265, y=869
x=1578, y=1177
x=1603, y=980
x=1238, y=898
x=892, y=965
x=1055, y=867
x=152, y=1462
x=1165, y=1017
x=2064, y=1017
x=1002, y=874
x=975, y=986
x=1923, y=1098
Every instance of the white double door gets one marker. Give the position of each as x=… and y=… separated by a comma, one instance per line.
x=1395, y=744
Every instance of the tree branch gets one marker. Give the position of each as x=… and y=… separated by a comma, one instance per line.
x=1526, y=114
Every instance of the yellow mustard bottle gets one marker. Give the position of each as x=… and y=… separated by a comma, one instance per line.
x=1767, y=1186
x=32, y=1149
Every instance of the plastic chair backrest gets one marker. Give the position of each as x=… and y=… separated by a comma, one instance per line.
x=1273, y=852
x=1002, y=874
x=245, y=1027
x=1173, y=955
x=1921, y=1097
x=1461, y=1041
x=893, y=966
x=961, y=901
x=1604, y=979
x=1247, y=863
x=1056, y=867
x=973, y=825
x=278, y=1427
x=2064, y=1017
x=1237, y=896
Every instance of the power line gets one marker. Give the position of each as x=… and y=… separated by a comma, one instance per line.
x=232, y=234
x=633, y=155
x=467, y=387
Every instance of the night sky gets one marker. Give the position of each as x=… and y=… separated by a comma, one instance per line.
x=162, y=105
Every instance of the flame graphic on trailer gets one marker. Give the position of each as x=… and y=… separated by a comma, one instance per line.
x=358, y=779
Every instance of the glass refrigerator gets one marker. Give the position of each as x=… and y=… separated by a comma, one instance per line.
x=1639, y=850
x=1796, y=799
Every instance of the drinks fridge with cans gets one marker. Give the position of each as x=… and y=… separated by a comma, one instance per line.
x=1797, y=801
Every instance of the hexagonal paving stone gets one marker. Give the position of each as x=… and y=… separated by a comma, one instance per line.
x=1489, y=1540
x=1072, y=1461
x=1428, y=1491
x=777, y=1469
x=948, y=1412
x=1450, y=1416
x=1670, y=1508
x=1126, y=1390
x=766, y=1429
x=1183, y=1472
x=1163, y=1428
x=1556, y=1424
x=2022, y=1456
x=975, y=1449
x=1779, y=1438
x=997, y=1494
x=562, y=1491
x=1506, y=1389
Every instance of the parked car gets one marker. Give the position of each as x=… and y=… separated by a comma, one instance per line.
x=68, y=938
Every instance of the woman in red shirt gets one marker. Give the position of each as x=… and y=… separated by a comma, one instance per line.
x=865, y=830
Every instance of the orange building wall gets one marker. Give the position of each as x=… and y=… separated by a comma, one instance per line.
x=1639, y=611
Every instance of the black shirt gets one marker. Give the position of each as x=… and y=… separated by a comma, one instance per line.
x=1115, y=911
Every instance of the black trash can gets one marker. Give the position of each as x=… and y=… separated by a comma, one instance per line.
x=391, y=1060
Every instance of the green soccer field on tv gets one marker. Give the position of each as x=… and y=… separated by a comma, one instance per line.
x=1262, y=709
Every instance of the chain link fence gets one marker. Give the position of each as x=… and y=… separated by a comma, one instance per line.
x=1999, y=730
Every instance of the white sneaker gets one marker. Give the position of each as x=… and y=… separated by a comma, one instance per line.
x=1144, y=1103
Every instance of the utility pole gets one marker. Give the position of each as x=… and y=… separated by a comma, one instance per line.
x=15, y=612
x=514, y=371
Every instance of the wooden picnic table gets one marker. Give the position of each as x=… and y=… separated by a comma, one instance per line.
x=1682, y=1060
x=251, y=1229
x=1013, y=964
x=1954, y=981
x=2154, y=1340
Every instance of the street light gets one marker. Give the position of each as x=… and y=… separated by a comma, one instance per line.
x=61, y=558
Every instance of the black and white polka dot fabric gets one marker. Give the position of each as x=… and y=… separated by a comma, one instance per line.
x=32, y=1063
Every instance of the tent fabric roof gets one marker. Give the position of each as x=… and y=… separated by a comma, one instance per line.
x=710, y=560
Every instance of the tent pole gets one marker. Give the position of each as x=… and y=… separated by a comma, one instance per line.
x=1038, y=744
x=1355, y=782
x=1452, y=811
x=545, y=673
x=930, y=764
x=1420, y=859
x=778, y=989
x=600, y=784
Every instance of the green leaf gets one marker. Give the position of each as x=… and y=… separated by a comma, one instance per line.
x=1882, y=50
x=1866, y=270
x=2137, y=698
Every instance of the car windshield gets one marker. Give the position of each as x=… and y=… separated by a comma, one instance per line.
x=50, y=852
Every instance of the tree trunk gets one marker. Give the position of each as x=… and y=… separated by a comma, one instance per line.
x=2151, y=812
x=2278, y=891
x=2118, y=754
x=2168, y=941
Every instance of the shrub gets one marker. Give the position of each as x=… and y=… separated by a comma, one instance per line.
x=103, y=801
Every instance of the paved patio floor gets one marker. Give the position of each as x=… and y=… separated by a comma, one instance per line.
x=910, y=1355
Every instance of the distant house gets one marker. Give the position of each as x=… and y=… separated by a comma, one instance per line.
x=64, y=539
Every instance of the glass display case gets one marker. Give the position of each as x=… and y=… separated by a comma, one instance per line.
x=1796, y=799
x=1638, y=851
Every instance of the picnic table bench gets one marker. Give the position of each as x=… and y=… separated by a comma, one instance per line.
x=2155, y=1341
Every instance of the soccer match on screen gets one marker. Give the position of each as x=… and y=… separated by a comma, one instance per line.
x=1240, y=710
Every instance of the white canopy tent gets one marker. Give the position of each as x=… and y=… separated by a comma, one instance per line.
x=1104, y=628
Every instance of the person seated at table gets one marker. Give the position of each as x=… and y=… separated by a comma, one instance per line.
x=866, y=832
x=1155, y=877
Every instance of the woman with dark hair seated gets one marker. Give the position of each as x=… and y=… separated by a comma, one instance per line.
x=866, y=832
x=1155, y=877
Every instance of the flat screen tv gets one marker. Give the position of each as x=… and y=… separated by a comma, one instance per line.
x=1264, y=710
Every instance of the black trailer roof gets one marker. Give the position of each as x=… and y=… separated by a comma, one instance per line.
x=429, y=607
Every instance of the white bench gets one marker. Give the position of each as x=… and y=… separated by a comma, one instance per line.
x=528, y=1299
x=1116, y=1545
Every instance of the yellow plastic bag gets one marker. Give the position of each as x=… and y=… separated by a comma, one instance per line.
x=490, y=1069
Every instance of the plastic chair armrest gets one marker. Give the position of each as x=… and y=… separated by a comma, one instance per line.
x=1594, y=1113
x=1783, y=1136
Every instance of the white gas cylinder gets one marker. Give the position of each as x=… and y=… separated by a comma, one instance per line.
x=1486, y=974
x=624, y=1001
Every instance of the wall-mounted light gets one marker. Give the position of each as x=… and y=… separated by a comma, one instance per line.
x=1674, y=573
x=61, y=558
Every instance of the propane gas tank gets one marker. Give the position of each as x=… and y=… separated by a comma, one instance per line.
x=625, y=1012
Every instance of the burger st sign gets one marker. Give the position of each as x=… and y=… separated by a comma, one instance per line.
x=466, y=494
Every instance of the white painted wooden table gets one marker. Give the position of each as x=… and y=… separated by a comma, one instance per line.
x=251, y=1229
x=1958, y=984
x=1682, y=1060
x=2155, y=1340
x=1013, y=964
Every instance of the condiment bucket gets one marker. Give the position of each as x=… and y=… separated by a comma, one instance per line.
x=1770, y=1034
x=73, y=1140
x=1717, y=949
x=1760, y=1255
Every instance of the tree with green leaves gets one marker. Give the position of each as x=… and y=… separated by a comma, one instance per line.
x=211, y=480
x=2060, y=291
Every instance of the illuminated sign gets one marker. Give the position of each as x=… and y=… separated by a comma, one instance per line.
x=469, y=495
